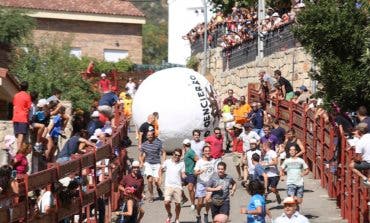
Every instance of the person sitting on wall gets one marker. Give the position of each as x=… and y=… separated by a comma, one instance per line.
x=361, y=160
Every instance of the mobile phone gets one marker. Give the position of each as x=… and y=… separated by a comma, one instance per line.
x=13, y=174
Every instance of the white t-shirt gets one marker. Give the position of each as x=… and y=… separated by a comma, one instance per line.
x=246, y=137
x=45, y=201
x=208, y=167
x=294, y=168
x=131, y=88
x=197, y=147
x=363, y=147
x=249, y=159
x=173, y=173
x=271, y=171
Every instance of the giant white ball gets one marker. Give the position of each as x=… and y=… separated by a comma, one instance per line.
x=184, y=99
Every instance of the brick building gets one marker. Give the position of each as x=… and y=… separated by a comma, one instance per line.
x=105, y=29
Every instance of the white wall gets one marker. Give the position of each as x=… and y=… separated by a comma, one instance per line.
x=181, y=19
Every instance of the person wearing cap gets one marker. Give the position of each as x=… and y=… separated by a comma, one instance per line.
x=276, y=20
x=304, y=95
x=290, y=213
x=237, y=148
x=104, y=84
x=131, y=87
x=190, y=158
x=204, y=169
x=248, y=173
x=94, y=123
x=286, y=86
x=128, y=208
x=295, y=168
x=40, y=120
x=175, y=170
x=256, y=118
x=134, y=179
x=75, y=144
x=361, y=160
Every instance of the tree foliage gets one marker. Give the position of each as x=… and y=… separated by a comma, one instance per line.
x=336, y=33
x=14, y=25
x=48, y=66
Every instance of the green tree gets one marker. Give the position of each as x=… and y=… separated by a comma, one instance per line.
x=48, y=66
x=334, y=32
x=14, y=25
x=155, y=43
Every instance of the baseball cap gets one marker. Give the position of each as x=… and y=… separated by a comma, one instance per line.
x=93, y=138
x=303, y=88
x=103, y=75
x=42, y=102
x=289, y=200
x=275, y=14
x=98, y=131
x=238, y=126
x=108, y=131
x=252, y=141
x=186, y=142
x=95, y=114
x=135, y=163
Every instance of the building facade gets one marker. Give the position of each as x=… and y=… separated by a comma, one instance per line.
x=109, y=29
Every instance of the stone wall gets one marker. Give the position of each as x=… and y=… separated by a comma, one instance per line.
x=294, y=64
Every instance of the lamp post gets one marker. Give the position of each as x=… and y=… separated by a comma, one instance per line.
x=205, y=52
x=261, y=17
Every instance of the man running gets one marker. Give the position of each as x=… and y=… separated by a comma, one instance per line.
x=190, y=179
x=175, y=170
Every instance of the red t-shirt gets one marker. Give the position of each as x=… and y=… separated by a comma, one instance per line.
x=21, y=163
x=216, y=146
x=237, y=143
x=138, y=183
x=104, y=84
x=21, y=106
x=103, y=119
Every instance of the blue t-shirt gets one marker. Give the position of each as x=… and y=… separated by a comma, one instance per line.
x=256, y=118
x=109, y=99
x=257, y=200
x=258, y=172
x=71, y=147
x=57, y=128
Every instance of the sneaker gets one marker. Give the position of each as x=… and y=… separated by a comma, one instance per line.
x=199, y=219
x=38, y=148
x=160, y=193
x=205, y=218
x=177, y=221
x=366, y=182
x=168, y=220
x=192, y=207
x=278, y=198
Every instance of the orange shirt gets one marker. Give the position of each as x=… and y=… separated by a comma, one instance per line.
x=21, y=106
x=239, y=115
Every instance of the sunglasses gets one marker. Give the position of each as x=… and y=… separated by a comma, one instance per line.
x=178, y=155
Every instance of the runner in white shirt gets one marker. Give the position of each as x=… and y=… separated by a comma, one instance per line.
x=131, y=87
x=196, y=144
x=247, y=135
x=269, y=161
x=204, y=169
x=249, y=155
x=175, y=170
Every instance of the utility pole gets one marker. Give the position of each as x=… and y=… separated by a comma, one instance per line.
x=261, y=17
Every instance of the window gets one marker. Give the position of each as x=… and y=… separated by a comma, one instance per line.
x=76, y=51
x=114, y=55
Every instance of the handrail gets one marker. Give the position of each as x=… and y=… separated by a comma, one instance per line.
x=22, y=211
x=319, y=139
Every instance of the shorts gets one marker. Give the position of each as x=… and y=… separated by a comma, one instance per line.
x=223, y=209
x=190, y=179
x=106, y=110
x=63, y=160
x=294, y=190
x=273, y=182
x=173, y=194
x=363, y=165
x=200, y=190
x=152, y=169
x=237, y=159
x=20, y=128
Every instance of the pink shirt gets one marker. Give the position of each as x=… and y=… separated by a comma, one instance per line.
x=216, y=146
x=21, y=163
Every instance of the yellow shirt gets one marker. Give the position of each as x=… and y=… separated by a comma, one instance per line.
x=122, y=95
x=226, y=109
x=127, y=107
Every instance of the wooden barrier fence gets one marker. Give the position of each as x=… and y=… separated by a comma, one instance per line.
x=321, y=142
x=80, y=165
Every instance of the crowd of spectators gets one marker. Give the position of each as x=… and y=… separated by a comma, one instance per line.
x=241, y=26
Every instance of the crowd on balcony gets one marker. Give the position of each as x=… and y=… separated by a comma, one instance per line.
x=241, y=26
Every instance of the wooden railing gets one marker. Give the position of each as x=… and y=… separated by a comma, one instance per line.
x=80, y=165
x=319, y=139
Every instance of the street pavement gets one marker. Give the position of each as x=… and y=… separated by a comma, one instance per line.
x=317, y=206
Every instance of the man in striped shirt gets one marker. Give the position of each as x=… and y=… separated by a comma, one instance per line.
x=150, y=158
